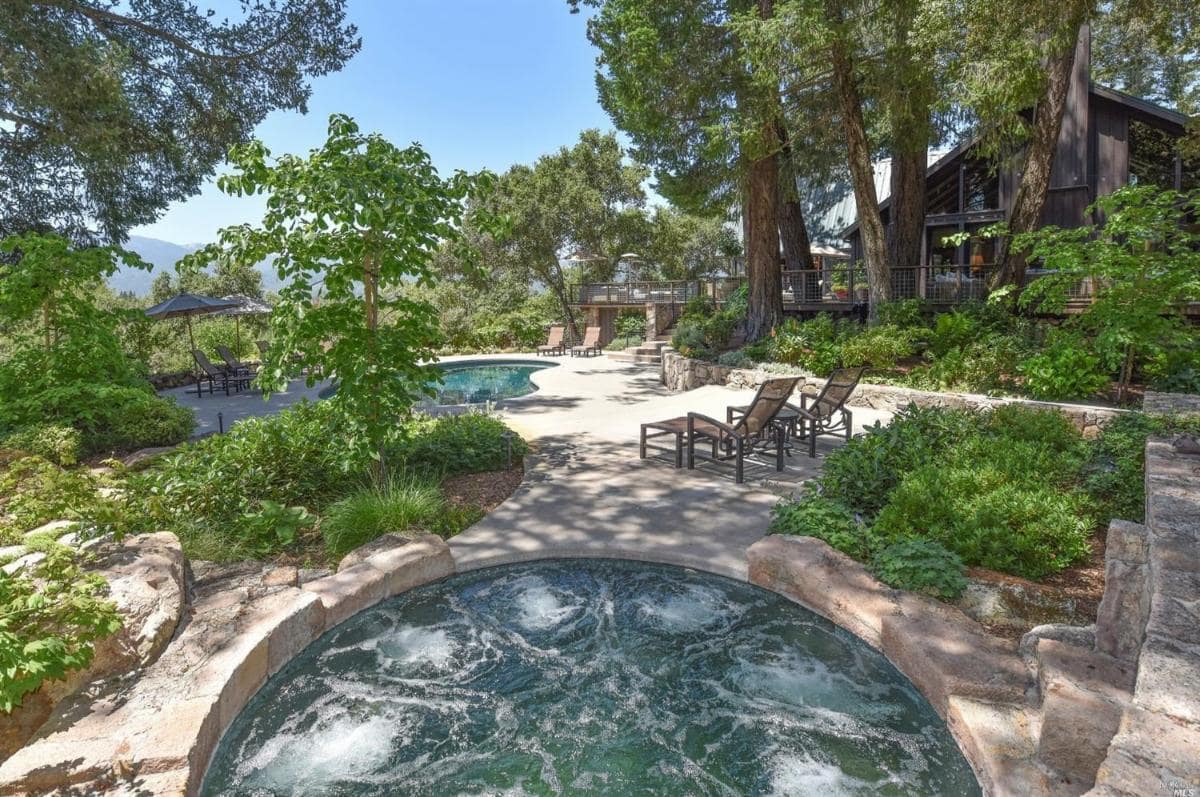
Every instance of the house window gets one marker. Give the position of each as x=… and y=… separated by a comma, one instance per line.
x=981, y=186
x=941, y=253
x=1151, y=155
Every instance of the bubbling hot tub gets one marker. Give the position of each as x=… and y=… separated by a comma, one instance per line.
x=588, y=677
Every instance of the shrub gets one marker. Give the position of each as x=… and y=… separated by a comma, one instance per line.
x=290, y=458
x=921, y=566
x=34, y=491
x=718, y=330
x=811, y=345
x=880, y=347
x=1065, y=370
x=450, y=444
x=271, y=528
x=51, y=616
x=907, y=313
x=1025, y=528
x=735, y=359
x=1115, y=474
x=108, y=416
x=698, y=307
x=984, y=366
x=815, y=516
x=689, y=338
x=952, y=331
x=862, y=473
x=372, y=512
x=58, y=444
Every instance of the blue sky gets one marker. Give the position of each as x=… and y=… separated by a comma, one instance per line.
x=479, y=83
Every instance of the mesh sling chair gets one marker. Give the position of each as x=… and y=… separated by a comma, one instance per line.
x=215, y=375
x=825, y=414
x=755, y=430
x=233, y=364
x=554, y=342
x=590, y=344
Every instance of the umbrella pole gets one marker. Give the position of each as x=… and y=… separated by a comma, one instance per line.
x=188, y=320
x=237, y=333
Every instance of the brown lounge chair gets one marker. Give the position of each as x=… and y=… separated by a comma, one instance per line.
x=215, y=376
x=554, y=342
x=826, y=414
x=590, y=345
x=755, y=431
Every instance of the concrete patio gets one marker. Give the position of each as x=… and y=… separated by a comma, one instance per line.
x=586, y=492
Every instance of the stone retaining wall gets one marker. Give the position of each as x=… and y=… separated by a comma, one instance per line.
x=1109, y=709
x=154, y=734
x=680, y=373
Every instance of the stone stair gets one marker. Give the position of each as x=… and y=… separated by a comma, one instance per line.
x=648, y=353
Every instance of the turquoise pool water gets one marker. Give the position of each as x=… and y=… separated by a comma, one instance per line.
x=476, y=382
x=588, y=677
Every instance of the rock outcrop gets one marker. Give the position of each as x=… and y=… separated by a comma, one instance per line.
x=145, y=576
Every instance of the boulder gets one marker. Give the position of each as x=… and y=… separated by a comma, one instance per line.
x=145, y=576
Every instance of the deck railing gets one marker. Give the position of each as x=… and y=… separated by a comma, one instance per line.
x=835, y=285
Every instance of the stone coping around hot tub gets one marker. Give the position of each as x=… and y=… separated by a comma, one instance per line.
x=976, y=682
x=1108, y=709
x=679, y=373
x=156, y=733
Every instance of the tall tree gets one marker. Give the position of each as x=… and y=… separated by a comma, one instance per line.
x=677, y=78
x=112, y=110
x=584, y=200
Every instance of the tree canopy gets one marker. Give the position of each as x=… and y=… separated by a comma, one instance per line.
x=110, y=111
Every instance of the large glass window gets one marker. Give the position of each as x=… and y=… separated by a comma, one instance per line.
x=981, y=186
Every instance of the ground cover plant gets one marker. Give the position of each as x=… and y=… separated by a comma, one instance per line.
x=1013, y=489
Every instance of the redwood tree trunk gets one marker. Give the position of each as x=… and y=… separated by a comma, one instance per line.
x=907, y=226
x=762, y=246
x=862, y=177
x=793, y=232
x=1039, y=160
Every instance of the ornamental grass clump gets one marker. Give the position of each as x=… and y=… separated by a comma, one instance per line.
x=400, y=506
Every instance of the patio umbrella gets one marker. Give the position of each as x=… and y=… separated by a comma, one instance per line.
x=245, y=305
x=186, y=305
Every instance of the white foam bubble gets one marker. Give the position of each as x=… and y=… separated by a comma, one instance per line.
x=414, y=645
x=798, y=773
x=693, y=610
x=343, y=747
x=540, y=608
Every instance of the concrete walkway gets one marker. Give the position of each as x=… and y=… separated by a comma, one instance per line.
x=587, y=493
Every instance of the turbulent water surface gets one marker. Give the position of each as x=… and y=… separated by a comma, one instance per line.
x=588, y=677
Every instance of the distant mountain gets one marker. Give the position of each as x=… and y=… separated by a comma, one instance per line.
x=163, y=255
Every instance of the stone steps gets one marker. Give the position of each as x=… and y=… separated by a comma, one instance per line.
x=648, y=353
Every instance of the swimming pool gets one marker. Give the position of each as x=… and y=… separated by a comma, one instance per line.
x=476, y=382
x=479, y=381
x=588, y=677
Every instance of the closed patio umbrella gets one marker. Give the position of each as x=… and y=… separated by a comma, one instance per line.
x=245, y=305
x=186, y=305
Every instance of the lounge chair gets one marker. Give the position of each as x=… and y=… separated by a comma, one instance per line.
x=825, y=414
x=215, y=375
x=554, y=342
x=235, y=365
x=590, y=344
x=756, y=430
